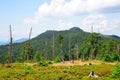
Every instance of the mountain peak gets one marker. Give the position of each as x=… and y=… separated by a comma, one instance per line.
x=76, y=29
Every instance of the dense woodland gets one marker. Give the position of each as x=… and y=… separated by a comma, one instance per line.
x=73, y=44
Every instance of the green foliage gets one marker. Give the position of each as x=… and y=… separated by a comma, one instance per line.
x=57, y=60
x=6, y=58
x=20, y=72
x=90, y=46
x=27, y=61
x=49, y=62
x=60, y=39
x=37, y=56
x=43, y=63
x=26, y=52
x=110, y=58
x=107, y=58
x=28, y=68
x=115, y=57
x=116, y=72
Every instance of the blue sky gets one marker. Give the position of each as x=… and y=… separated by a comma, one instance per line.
x=43, y=15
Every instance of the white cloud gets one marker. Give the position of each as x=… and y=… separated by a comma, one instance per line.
x=115, y=27
x=63, y=8
x=63, y=26
x=99, y=21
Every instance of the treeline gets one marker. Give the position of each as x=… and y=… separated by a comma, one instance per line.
x=100, y=48
x=73, y=44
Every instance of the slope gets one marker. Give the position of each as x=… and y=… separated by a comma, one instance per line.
x=43, y=43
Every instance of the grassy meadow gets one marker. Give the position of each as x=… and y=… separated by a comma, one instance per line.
x=57, y=71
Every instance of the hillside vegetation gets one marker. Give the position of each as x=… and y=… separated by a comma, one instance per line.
x=62, y=55
x=65, y=45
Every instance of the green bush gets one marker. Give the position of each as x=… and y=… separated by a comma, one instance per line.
x=27, y=61
x=57, y=60
x=43, y=63
x=28, y=68
x=107, y=58
x=49, y=62
x=116, y=72
x=115, y=57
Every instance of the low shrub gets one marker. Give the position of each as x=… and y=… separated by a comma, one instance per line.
x=28, y=68
x=43, y=63
x=49, y=62
x=116, y=72
x=57, y=60
x=107, y=58
x=115, y=57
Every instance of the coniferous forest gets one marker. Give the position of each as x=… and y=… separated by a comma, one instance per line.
x=66, y=45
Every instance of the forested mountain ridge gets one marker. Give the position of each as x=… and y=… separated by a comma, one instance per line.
x=68, y=44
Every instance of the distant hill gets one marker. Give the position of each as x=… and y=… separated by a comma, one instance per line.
x=3, y=42
x=114, y=36
x=20, y=40
x=16, y=41
x=43, y=42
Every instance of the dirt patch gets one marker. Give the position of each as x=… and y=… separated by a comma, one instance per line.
x=68, y=63
x=93, y=62
x=29, y=64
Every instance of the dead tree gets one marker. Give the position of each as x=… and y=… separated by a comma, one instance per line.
x=118, y=48
x=30, y=34
x=99, y=39
x=28, y=44
x=46, y=50
x=69, y=47
x=60, y=41
x=53, y=46
x=90, y=54
x=77, y=53
x=10, y=47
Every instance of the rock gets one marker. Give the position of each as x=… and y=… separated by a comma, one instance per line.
x=90, y=64
x=92, y=74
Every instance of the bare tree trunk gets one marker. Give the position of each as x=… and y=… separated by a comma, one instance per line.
x=46, y=50
x=118, y=48
x=61, y=54
x=81, y=57
x=30, y=34
x=28, y=44
x=69, y=47
x=53, y=48
x=90, y=54
x=77, y=54
x=10, y=47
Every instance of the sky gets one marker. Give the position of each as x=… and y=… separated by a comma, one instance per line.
x=42, y=15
